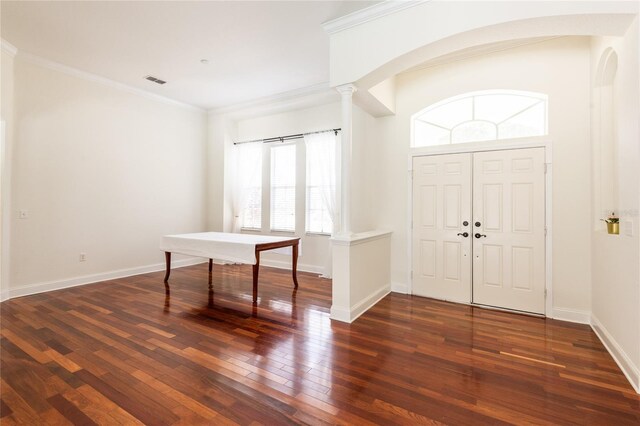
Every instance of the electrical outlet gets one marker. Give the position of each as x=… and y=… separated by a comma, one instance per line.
x=83, y=257
x=24, y=214
x=628, y=228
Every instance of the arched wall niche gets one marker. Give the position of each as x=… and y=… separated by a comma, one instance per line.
x=605, y=143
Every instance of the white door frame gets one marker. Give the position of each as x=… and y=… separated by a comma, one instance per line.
x=501, y=145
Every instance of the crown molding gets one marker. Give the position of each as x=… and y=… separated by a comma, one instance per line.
x=8, y=48
x=74, y=72
x=311, y=95
x=368, y=14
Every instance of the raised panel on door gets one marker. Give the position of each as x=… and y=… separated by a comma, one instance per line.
x=509, y=204
x=441, y=203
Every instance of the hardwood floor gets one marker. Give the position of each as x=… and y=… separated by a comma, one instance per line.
x=119, y=352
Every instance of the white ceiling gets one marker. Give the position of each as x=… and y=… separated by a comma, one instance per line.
x=255, y=48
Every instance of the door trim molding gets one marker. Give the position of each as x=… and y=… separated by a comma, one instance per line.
x=501, y=145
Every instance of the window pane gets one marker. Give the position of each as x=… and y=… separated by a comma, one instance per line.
x=318, y=219
x=283, y=188
x=474, y=131
x=249, y=160
x=528, y=123
x=321, y=171
x=425, y=134
x=497, y=108
x=450, y=114
x=252, y=216
x=481, y=116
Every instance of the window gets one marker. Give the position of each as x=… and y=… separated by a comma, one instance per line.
x=248, y=198
x=283, y=188
x=321, y=172
x=284, y=184
x=481, y=116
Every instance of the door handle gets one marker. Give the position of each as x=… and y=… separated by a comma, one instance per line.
x=464, y=234
x=478, y=235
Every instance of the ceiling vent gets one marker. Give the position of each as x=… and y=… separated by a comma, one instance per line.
x=155, y=80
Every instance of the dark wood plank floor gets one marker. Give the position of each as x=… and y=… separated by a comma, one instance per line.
x=119, y=352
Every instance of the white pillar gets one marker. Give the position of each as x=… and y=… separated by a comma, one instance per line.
x=346, y=92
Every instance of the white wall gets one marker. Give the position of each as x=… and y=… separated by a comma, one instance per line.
x=615, y=259
x=364, y=166
x=559, y=68
x=6, y=116
x=363, y=52
x=100, y=171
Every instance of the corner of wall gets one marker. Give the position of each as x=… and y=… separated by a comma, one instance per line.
x=626, y=364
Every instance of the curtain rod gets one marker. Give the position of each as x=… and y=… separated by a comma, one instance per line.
x=288, y=137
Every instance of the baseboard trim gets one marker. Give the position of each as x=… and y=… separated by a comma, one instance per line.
x=94, y=278
x=340, y=313
x=287, y=265
x=571, y=315
x=631, y=371
x=400, y=288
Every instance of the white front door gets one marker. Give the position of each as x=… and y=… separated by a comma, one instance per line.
x=509, y=221
x=441, y=206
x=498, y=199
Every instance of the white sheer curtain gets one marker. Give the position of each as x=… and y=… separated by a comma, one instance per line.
x=321, y=156
x=321, y=153
x=248, y=175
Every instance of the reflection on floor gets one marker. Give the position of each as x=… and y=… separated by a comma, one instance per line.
x=122, y=352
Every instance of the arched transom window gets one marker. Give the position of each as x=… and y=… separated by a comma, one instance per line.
x=481, y=116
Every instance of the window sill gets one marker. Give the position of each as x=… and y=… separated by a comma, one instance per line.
x=278, y=231
x=317, y=234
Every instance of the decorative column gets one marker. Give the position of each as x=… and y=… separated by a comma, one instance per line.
x=346, y=92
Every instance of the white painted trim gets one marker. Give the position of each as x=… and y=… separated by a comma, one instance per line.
x=497, y=145
x=368, y=14
x=571, y=315
x=360, y=238
x=410, y=224
x=340, y=313
x=280, y=264
x=8, y=48
x=74, y=72
x=367, y=303
x=5, y=212
x=502, y=145
x=349, y=315
x=266, y=104
x=94, y=278
x=401, y=288
x=548, y=222
x=631, y=371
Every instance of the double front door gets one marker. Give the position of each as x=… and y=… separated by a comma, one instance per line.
x=479, y=228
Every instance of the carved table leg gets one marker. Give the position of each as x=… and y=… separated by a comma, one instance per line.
x=256, y=268
x=167, y=256
x=294, y=266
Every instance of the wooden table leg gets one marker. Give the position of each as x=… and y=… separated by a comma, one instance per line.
x=256, y=268
x=294, y=266
x=210, y=265
x=167, y=257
